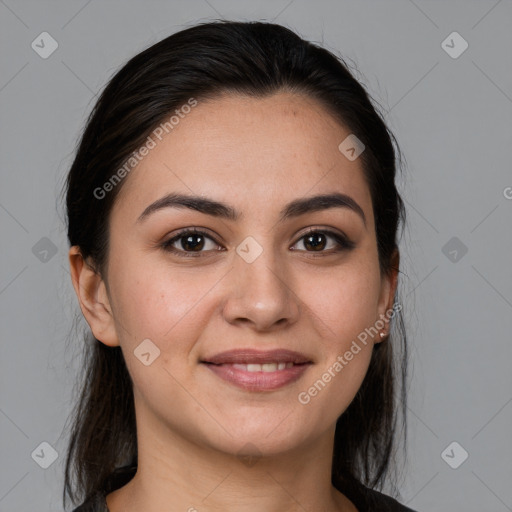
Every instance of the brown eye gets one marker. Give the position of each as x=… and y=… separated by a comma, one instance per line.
x=189, y=243
x=317, y=240
x=192, y=242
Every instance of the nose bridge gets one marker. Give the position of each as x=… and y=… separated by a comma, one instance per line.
x=261, y=293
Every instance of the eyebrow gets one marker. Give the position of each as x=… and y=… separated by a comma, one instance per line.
x=293, y=209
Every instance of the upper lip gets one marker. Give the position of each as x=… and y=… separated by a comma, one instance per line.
x=253, y=356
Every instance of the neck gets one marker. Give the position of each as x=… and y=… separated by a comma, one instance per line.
x=174, y=473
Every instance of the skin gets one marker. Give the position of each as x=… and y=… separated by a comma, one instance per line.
x=256, y=154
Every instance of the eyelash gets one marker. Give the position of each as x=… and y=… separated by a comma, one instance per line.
x=343, y=243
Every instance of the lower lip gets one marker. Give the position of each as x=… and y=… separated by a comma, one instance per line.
x=258, y=381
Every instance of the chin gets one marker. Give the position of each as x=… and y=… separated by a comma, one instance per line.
x=258, y=441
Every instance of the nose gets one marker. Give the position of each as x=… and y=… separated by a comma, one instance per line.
x=261, y=293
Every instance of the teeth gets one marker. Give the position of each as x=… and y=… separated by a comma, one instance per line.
x=266, y=367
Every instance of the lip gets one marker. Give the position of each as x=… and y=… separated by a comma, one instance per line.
x=258, y=381
x=253, y=356
x=226, y=365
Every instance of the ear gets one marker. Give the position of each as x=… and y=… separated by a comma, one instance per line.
x=387, y=293
x=93, y=298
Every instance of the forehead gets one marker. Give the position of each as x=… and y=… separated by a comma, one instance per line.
x=255, y=153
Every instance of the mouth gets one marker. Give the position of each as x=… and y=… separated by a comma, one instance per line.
x=254, y=367
x=254, y=370
x=251, y=356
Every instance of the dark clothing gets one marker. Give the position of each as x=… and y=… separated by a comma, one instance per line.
x=365, y=499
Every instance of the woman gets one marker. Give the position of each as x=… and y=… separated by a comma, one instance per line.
x=232, y=219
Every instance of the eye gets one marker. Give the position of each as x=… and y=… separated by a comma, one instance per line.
x=192, y=241
x=315, y=240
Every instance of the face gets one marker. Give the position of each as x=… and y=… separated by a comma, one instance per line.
x=308, y=282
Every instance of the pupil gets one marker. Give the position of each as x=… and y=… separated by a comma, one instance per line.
x=187, y=240
x=310, y=239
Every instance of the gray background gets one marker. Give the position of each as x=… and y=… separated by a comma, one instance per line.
x=452, y=118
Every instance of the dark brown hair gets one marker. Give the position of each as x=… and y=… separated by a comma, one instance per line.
x=255, y=59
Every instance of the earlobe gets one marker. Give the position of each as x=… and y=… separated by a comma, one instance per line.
x=92, y=297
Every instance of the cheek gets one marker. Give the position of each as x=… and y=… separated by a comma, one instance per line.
x=344, y=302
x=170, y=308
x=167, y=308
x=153, y=300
